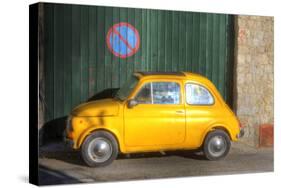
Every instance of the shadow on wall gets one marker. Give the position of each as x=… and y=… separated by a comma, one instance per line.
x=52, y=131
x=104, y=94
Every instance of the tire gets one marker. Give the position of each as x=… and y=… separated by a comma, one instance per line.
x=216, y=145
x=99, y=149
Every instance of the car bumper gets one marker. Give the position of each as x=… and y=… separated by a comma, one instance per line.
x=241, y=133
x=68, y=142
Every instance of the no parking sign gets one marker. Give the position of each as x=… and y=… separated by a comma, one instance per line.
x=123, y=40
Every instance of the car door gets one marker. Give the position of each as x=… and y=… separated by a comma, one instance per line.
x=159, y=116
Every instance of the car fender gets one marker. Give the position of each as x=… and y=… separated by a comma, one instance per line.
x=90, y=130
x=214, y=126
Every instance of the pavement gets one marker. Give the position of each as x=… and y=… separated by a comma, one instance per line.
x=61, y=165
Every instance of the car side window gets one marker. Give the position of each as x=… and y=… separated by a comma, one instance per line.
x=198, y=95
x=166, y=93
x=159, y=93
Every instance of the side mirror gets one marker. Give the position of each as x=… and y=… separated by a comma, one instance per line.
x=132, y=103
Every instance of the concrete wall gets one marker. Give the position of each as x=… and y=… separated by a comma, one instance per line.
x=253, y=78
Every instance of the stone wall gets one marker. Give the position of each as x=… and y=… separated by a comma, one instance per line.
x=253, y=77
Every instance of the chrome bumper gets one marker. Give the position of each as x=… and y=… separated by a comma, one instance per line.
x=241, y=133
x=68, y=142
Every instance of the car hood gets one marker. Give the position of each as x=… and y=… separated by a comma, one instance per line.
x=98, y=108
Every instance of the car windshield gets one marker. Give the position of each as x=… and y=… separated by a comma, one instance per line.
x=126, y=89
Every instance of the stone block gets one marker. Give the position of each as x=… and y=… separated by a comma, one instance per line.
x=266, y=135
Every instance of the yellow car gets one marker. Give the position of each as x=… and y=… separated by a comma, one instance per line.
x=154, y=112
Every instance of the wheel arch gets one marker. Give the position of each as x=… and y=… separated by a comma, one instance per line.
x=223, y=129
x=91, y=131
x=216, y=127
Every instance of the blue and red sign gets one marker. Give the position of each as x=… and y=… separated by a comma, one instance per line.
x=123, y=40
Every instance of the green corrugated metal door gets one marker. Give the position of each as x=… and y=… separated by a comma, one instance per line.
x=78, y=63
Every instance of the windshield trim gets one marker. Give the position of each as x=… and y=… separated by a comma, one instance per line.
x=134, y=80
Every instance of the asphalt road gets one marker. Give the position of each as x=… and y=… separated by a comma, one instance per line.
x=59, y=165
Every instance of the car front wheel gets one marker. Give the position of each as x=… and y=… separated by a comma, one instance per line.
x=99, y=149
x=216, y=145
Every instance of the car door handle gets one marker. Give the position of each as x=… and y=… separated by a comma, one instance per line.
x=179, y=112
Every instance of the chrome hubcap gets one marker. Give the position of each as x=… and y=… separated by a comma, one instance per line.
x=217, y=146
x=100, y=150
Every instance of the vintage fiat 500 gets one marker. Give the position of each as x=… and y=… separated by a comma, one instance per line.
x=154, y=112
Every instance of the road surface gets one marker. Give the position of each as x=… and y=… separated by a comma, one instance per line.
x=59, y=165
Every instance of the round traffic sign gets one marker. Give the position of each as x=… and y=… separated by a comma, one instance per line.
x=123, y=40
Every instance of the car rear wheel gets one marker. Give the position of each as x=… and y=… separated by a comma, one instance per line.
x=99, y=149
x=216, y=145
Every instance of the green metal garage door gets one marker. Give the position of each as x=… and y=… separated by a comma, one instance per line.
x=81, y=59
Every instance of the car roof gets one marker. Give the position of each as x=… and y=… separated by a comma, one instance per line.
x=161, y=73
x=178, y=75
